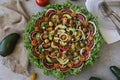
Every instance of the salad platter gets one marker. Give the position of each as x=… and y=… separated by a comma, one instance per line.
x=63, y=39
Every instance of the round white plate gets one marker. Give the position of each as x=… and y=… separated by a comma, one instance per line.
x=93, y=7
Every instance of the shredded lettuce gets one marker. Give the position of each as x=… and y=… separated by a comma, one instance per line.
x=94, y=52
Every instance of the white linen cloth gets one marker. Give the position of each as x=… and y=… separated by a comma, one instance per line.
x=13, y=18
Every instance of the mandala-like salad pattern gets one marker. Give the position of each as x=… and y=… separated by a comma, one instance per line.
x=62, y=40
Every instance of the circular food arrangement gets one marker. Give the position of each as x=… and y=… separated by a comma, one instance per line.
x=63, y=39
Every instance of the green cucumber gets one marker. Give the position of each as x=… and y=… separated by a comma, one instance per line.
x=116, y=71
x=94, y=78
x=8, y=44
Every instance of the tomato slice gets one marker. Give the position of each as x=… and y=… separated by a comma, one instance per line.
x=68, y=11
x=81, y=17
x=69, y=43
x=63, y=48
x=86, y=55
x=32, y=35
x=88, y=34
x=38, y=22
x=78, y=64
x=35, y=53
x=50, y=12
x=92, y=27
x=63, y=68
x=48, y=66
x=92, y=44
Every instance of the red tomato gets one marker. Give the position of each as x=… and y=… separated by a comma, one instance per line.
x=42, y=2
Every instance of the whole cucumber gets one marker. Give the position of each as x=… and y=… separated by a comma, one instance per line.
x=94, y=78
x=116, y=71
x=8, y=44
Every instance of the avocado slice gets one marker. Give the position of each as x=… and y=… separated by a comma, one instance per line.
x=61, y=31
x=60, y=26
x=56, y=39
x=55, y=16
x=67, y=15
x=51, y=35
x=63, y=62
x=37, y=36
x=69, y=37
x=44, y=24
x=73, y=46
x=71, y=29
x=63, y=43
x=76, y=58
x=48, y=59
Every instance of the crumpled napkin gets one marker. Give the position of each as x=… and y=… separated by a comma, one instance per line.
x=107, y=28
x=13, y=18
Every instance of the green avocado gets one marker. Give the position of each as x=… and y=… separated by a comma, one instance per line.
x=8, y=44
x=116, y=71
x=94, y=78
